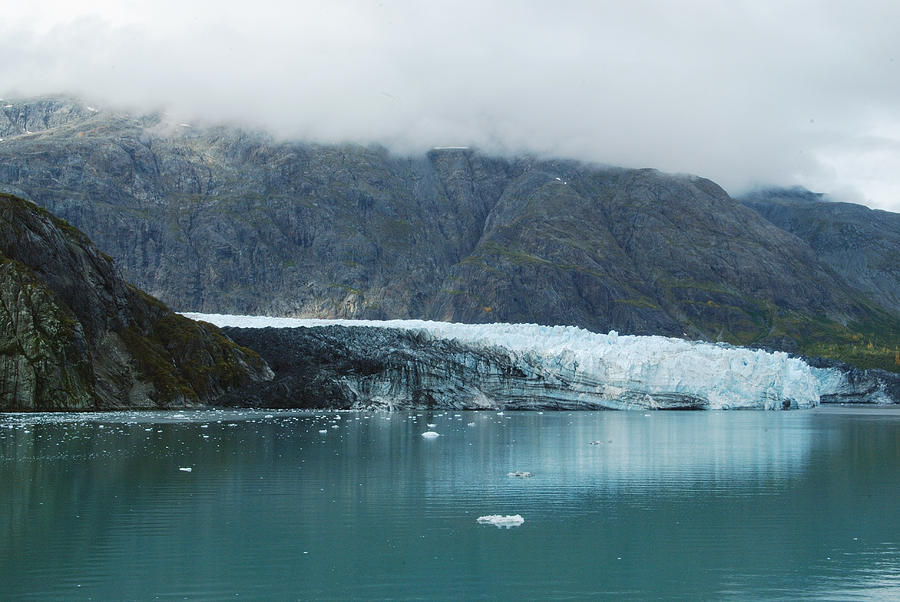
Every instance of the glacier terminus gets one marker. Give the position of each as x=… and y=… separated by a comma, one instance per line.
x=402, y=364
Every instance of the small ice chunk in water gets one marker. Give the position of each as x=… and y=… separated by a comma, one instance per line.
x=185, y=468
x=430, y=434
x=520, y=473
x=431, y=425
x=504, y=522
x=323, y=431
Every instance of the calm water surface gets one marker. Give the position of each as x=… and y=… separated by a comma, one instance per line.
x=695, y=505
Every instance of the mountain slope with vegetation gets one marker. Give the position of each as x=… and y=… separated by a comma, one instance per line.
x=220, y=219
x=75, y=335
x=860, y=244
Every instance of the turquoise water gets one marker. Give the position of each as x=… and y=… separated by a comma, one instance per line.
x=693, y=505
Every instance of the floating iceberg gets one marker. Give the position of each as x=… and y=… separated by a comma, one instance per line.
x=503, y=522
x=430, y=435
x=185, y=468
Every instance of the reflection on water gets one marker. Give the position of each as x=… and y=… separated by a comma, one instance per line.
x=695, y=505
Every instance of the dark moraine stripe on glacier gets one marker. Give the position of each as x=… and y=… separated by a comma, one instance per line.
x=367, y=367
x=859, y=385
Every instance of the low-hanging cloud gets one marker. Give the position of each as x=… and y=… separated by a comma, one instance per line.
x=746, y=93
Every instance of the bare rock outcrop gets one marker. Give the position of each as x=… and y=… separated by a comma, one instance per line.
x=75, y=335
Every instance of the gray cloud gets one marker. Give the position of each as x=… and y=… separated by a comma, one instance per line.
x=745, y=93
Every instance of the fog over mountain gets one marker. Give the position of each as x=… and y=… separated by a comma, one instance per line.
x=746, y=93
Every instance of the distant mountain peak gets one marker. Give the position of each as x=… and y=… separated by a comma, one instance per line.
x=789, y=194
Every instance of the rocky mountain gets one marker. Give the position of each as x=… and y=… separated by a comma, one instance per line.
x=75, y=335
x=220, y=219
x=861, y=244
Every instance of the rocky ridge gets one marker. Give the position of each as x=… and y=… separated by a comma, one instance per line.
x=75, y=335
x=860, y=244
x=220, y=219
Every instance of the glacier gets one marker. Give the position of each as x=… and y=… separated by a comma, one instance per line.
x=529, y=366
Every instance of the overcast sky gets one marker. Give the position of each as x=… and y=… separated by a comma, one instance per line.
x=746, y=93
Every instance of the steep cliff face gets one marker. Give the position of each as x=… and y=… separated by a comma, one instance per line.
x=44, y=362
x=220, y=219
x=75, y=335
